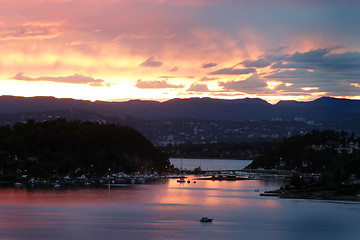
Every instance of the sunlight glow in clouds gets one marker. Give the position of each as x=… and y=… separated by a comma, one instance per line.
x=162, y=49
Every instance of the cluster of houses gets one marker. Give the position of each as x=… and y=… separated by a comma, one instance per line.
x=340, y=148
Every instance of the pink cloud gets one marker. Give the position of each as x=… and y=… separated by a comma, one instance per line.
x=156, y=84
x=151, y=62
x=75, y=79
x=198, y=87
x=208, y=65
x=31, y=30
x=174, y=69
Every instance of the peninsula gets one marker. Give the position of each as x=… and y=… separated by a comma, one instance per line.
x=58, y=148
x=325, y=165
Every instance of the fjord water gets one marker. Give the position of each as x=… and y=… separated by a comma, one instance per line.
x=172, y=211
x=209, y=164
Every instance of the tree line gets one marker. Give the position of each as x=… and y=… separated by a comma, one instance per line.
x=334, y=154
x=60, y=147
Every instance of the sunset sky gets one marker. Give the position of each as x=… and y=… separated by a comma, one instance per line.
x=161, y=49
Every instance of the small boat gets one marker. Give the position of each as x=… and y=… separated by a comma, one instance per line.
x=181, y=179
x=206, y=219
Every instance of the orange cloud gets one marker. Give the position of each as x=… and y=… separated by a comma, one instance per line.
x=75, y=79
x=156, y=84
x=111, y=38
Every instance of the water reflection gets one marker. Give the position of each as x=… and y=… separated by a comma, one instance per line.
x=205, y=192
x=214, y=193
x=209, y=164
x=172, y=211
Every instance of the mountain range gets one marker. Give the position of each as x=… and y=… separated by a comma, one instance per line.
x=325, y=108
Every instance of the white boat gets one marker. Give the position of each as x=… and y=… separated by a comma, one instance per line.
x=181, y=177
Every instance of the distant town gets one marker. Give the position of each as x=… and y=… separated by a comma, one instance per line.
x=176, y=131
x=195, y=120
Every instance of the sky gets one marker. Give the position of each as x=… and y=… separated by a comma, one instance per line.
x=116, y=50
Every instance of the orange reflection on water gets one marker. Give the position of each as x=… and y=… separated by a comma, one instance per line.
x=271, y=203
x=213, y=193
x=239, y=193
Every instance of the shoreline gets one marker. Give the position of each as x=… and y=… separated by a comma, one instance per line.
x=335, y=192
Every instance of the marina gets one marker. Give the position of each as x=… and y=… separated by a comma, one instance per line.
x=210, y=164
x=172, y=210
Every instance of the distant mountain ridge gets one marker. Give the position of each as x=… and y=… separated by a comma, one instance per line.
x=199, y=108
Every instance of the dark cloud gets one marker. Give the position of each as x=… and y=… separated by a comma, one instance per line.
x=208, y=65
x=320, y=69
x=205, y=79
x=342, y=61
x=330, y=76
x=301, y=78
x=31, y=30
x=151, y=62
x=156, y=84
x=198, y=87
x=278, y=49
x=229, y=94
x=310, y=56
x=276, y=58
x=260, y=63
x=252, y=85
x=321, y=60
x=75, y=79
x=166, y=77
x=334, y=84
x=289, y=74
x=233, y=71
x=174, y=69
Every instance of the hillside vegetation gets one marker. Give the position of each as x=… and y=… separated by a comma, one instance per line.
x=60, y=147
x=336, y=155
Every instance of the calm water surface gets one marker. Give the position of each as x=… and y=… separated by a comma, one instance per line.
x=209, y=164
x=172, y=211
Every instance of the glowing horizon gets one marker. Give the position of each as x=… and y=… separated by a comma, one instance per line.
x=113, y=50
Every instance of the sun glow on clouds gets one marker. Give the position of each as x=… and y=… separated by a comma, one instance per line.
x=309, y=88
x=273, y=84
x=161, y=49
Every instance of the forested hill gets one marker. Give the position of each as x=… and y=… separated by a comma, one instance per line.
x=60, y=147
x=334, y=154
x=199, y=108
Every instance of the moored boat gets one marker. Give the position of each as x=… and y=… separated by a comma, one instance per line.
x=206, y=219
x=181, y=179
